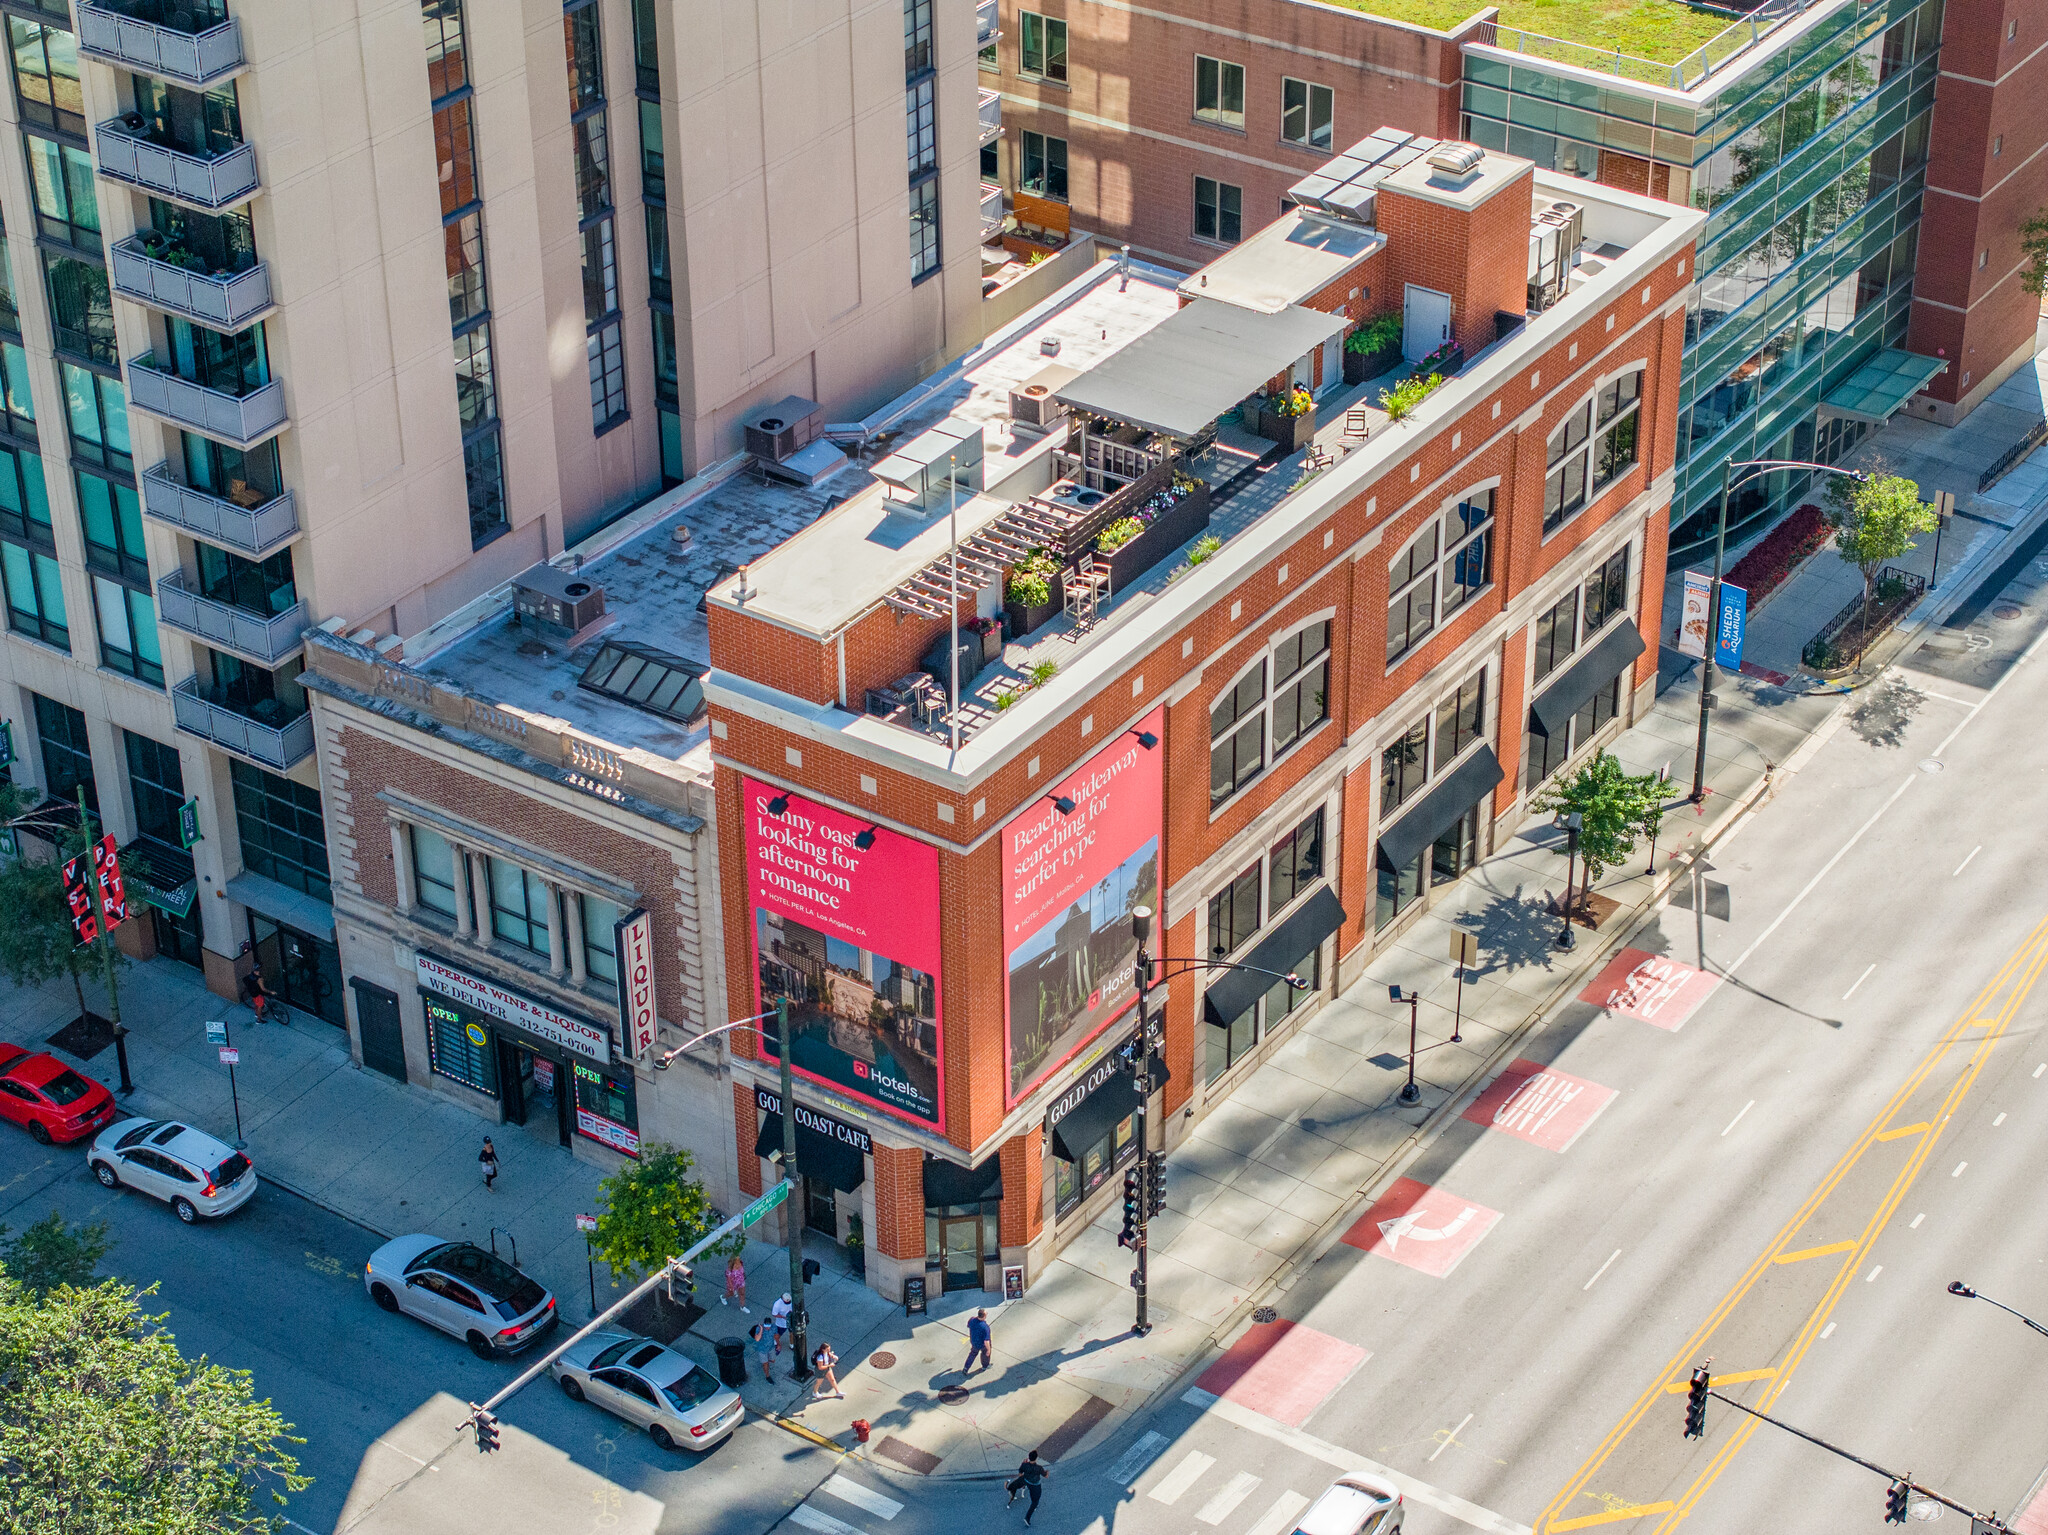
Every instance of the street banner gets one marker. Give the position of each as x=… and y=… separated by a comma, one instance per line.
x=633, y=943
x=188, y=826
x=1734, y=625
x=105, y=867
x=1692, y=614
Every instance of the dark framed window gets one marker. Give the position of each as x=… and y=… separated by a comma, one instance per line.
x=156, y=785
x=659, y=287
x=1397, y=890
x=1044, y=169
x=10, y=307
x=81, y=309
x=1041, y=46
x=1230, y=1043
x=1295, y=863
x=1593, y=446
x=61, y=181
x=483, y=472
x=600, y=272
x=920, y=126
x=24, y=500
x=67, y=752
x=47, y=90
x=236, y=364
x=1564, y=487
x=653, y=165
x=646, y=47
x=924, y=230
x=455, y=151
x=127, y=624
x=434, y=884
x=283, y=835
x=234, y=474
x=204, y=124
x=467, y=296
x=607, y=349
x=1306, y=113
x=97, y=411
x=111, y=515
x=1237, y=736
x=665, y=381
x=447, y=59
x=593, y=163
x=35, y=594
x=1557, y=634
x=1219, y=91
x=1404, y=767
x=519, y=906
x=226, y=242
x=273, y=698
x=917, y=37
x=1075, y=1181
x=1301, y=685
x=476, y=389
x=600, y=951
x=1234, y=913
x=1460, y=720
x=1607, y=592
x=255, y=586
x=459, y=1045
x=1219, y=211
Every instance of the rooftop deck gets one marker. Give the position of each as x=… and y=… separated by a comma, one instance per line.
x=1659, y=30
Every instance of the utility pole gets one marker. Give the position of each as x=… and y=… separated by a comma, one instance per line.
x=799, y=1323
x=1146, y=1045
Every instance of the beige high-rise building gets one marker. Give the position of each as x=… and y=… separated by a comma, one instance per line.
x=342, y=315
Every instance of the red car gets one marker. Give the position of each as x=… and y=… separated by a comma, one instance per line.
x=55, y=1102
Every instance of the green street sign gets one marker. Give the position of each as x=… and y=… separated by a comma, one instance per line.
x=188, y=824
x=6, y=744
x=765, y=1203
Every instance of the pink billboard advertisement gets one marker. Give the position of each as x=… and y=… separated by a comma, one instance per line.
x=1069, y=883
x=850, y=935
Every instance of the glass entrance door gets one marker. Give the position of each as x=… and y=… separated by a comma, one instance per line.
x=960, y=1244
x=821, y=1208
x=302, y=970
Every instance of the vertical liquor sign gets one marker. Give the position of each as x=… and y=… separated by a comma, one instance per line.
x=632, y=942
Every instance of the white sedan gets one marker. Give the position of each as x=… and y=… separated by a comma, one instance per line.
x=1355, y=1504
x=463, y=1290
x=677, y=1402
x=199, y=1176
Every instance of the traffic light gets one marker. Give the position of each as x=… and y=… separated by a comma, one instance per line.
x=1696, y=1404
x=1155, y=1186
x=1132, y=1196
x=1895, y=1504
x=486, y=1432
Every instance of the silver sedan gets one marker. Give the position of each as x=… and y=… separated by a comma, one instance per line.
x=677, y=1402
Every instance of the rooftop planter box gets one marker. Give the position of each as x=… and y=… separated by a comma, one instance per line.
x=1289, y=431
x=1446, y=359
x=1177, y=513
x=1027, y=616
x=1374, y=348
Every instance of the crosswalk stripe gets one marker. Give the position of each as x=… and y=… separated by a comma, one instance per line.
x=1134, y=1460
x=1181, y=1477
x=1281, y=1516
x=811, y=1519
x=861, y=1497
x=1234, y=1492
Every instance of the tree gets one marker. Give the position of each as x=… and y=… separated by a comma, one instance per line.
x=652, y=1210
x=2034, y=246
x=1615, y=808
x=37, y=941
x=109, y=1430
x=1874, y=521
x=49, y=1254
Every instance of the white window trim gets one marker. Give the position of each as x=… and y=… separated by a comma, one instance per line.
x=1028, y=74
x=1265, y=707
x=1587, y=450
x=1217, y=117
x=1438, y=519
x=1308, y=107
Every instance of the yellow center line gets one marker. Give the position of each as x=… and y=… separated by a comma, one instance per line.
x=1690, y=1351
x=1905, y=1130
x=1633, y=1511
x=1815, y=1252
x=1727, y=1380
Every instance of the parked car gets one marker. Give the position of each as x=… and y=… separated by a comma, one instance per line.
x=676, y=1401
x=1354, y=1504
x=200, y=1176
x=52, y=1100
x=463, y=1290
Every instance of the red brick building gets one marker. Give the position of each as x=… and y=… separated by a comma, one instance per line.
x=1283, y=742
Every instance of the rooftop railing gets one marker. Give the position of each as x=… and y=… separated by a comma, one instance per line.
x=1683, y=75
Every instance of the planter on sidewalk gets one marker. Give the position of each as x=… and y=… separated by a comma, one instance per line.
x=1840, y=646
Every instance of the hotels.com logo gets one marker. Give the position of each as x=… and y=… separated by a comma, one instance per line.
x=860, y=1068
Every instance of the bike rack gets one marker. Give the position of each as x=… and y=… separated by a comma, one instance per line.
x=510, y=1240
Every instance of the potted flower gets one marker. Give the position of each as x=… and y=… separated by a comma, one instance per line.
x=1446, y=359
x=991, y=632
x=1373, y=348
x=1288, y=417
x=1032, y=595
x=856, y=1248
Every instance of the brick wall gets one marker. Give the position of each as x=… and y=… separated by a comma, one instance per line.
x=1023, y=1187
x=899, y=1201
x=746, y=1121
x=1480, y=258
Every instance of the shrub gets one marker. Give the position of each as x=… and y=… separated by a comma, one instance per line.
x=1030, y=583
x=1779, y=552
x=1117, y=534
x=1204, y=546
x=1379, y=334
x=1044, y=672
x=1400, y=401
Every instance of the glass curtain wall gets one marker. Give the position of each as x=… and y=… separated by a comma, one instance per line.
x=654, y=195
x=1810, y=167
x=590, y=123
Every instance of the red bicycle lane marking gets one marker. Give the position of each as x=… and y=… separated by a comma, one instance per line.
x=1421, y=1227
x=1283, y=1370
x=1541, y=1105
x=1655, y=988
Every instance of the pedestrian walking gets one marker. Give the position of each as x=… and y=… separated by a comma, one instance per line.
x=487, y=1159
x=826, y=1364
x=779, y=1315
x=1030, y=1478
x=980, y=1339
x=736, y=1283
x=761, y=1344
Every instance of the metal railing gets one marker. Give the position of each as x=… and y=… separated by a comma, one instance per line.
x=254, y=531
x=991, y=114
x=243, y=420
x=277, y=746
x=227, y=301
x=267, y=638
x=986, y=23
x=2001, y=465
x=1682, y=75
x=193, y=59
x=211, y=182
x=991, y=210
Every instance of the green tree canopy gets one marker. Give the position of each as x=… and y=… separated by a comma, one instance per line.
x=37, y=941
x=2034, y=246
x=50, y=1254
x=652, y=1210
x=1615, y=808
x=109, y=1430
x=1874, y=521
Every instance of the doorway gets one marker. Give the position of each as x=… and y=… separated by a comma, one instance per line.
x=179, y=937
x=533, y=1089
x=302, y=971
x=377, y=1025
x=821, y=1207
x=960, y=1251
x=1425, y=322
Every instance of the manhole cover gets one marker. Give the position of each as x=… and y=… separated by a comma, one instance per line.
x=950, y=1395
x=882, y=1361
x=1932, y=765
x=2003, y=610
x=1265, y=1314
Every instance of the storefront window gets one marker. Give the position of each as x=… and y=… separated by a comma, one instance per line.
x=1075, y=1181
x=600, y=953
x=606, y=1110
x=459, y=1046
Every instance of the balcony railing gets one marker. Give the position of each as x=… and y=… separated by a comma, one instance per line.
x=211, y=183
x=991, y=115
x=254, y=531
x=260, y=638
x=196, y=60
x=243, y=420
x=278, y=746
x=985, y=23
x=991, y=210
x=226, y=302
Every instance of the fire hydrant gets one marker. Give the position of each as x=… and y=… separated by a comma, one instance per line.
x=861, y=1429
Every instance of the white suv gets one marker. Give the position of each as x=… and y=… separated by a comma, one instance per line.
x=200, y=1176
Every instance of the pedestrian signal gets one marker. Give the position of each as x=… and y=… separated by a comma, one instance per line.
x=486, y=1432
x=1155, y=1185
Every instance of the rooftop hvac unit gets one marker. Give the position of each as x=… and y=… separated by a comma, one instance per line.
x=1035, y=404
x=1570, y=219
x=559, y=604
x=777, y=432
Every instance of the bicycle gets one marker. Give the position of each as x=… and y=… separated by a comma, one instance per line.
x=269, y=1009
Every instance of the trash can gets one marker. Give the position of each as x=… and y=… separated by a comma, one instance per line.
x=732, y=1360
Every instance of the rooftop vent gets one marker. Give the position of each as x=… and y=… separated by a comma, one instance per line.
x=558, y=604
x=776, y=432
x=1455, y=159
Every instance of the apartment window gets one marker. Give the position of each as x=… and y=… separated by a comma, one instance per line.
x=917, y=37
x=600, y=952
x=646, y=47
x=607, y=350
x=447, y=59
x=10, y=307
x=1557, y=634
x=46, y=79
x=111, y=515
x=600, y=272
x=434, y=884
x=283, y=836
x=1044, y=172
x=519, y=906
x=464, y=238
x=1460, y=720
x=658, y=287
x=581, y=45
x=920, y=127
x=236, y=364
x=267, y=586
x=35, y=595
x=476, y=393
x=17, y=404
x=1041, y=46
x=128, y=639
x=1616, y=417
x=1593, y=445
x=1219, y=92
x=97, y=410
x=61, y=181
x=1295, y=863
x=1606, y=595
x=1439, y=571
x=1219, y=211
x=67, y=753
x=81, y=309
x=1306, y=113
x=455, y=152
x=1256, y=722
x=924, y=230
x=230, y=473
x=593, y=166
x=653, y=164
x=483, y=471
x=1404, y=767
x=1234, y=913
x=24, y=499
x=156, y=786
x=665, y=357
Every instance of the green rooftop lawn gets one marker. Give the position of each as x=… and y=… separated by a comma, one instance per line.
x=1661, y=30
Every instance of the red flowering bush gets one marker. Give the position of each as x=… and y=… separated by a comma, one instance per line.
x=1779, y=553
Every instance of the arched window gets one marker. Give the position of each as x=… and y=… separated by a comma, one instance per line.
x=1439, y=571
x=1591, y=447
x=1276, y=702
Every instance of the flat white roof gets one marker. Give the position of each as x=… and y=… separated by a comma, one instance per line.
x=1293, y=258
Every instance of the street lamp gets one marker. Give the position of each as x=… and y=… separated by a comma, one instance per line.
x=1409, y=1093
x=1148, y=1042
x=1959, y=1288
x=800, y=1366
x=1571, y=821
x=1699, y=766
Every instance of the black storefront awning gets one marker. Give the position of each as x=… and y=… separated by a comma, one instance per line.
x=1556, y=704
x=1233, y=991
x=817, y=1156
x=1102, y=1111
x=1437, y=811
x=160, y=874
x=947, y=1183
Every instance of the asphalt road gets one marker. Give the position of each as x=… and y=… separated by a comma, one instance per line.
x=276, y=1288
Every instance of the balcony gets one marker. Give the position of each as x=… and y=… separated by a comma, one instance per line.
x=991, y=115
x=279, y=745
x=251, y=526
x=219, y=300
x=243, y=420
x=196, y=60
x=257, y=636
x=991, y=211
x=986, y=28
x=208, y=183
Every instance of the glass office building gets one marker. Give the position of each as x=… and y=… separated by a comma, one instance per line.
x=1806, y=142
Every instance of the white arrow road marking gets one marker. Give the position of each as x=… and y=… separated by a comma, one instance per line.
x=1234, y=1492
x=1404, y=1226
x=1182, y=1477
x=861, y=1497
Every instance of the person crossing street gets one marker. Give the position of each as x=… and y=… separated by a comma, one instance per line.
x=1030, y=1478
